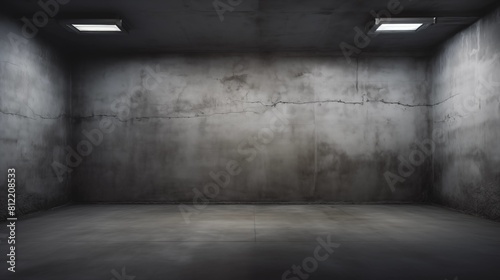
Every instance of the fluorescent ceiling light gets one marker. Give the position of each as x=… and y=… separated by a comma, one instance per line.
x=393, y=25
x=93, y=26
x=399, y=27
x=97, y=27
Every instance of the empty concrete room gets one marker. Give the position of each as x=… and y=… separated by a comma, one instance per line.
x=250, y=139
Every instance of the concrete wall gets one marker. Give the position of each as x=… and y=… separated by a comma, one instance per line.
x=466, y=165
x=269, y=128
x=253, y=128
x=34, y=105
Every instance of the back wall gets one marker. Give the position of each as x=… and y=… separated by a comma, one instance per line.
x=249, y=128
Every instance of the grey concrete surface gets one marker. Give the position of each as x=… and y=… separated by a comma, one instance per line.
x=34, y=122
x=467, y=68
x=256, y=25
x=301, y=128
x=254, y=242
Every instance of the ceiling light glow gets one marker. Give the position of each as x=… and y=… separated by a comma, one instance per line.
x=399, y=27
x=97, y=27
x=91, y=26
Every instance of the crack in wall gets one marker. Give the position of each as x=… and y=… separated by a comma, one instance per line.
x=274, y=104
x=33, y=118
x=412, y=105
x=200, y=115
x=203, y=115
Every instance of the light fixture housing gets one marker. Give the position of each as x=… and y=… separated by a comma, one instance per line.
x=397, y=25
x=95, y=26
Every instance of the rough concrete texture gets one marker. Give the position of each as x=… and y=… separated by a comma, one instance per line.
x=255, y=25
x=34, y=105
x=255, y=242
x=466, y=174
x=299, y=128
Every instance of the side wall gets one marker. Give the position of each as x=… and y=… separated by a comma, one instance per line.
x=289, y=128
x=34, y=105
x=467, y=165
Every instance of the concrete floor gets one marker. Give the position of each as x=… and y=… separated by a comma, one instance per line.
x=254, y=242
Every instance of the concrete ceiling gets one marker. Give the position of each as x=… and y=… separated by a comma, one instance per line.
x=252, y=25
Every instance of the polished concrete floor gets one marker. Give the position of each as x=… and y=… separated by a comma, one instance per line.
x=238, y=242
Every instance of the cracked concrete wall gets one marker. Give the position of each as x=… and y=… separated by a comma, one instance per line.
x=34, y=105
x=297, y=128
x=466, y=173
